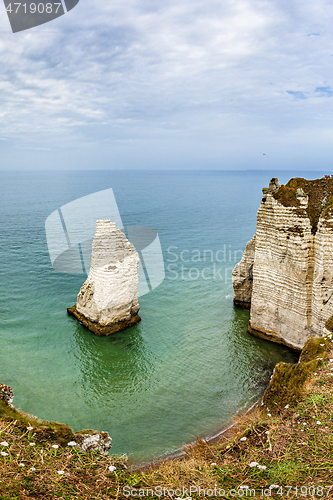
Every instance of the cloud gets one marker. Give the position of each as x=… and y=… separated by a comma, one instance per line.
x=122, y=79
x=296, y=94
x=324, y=91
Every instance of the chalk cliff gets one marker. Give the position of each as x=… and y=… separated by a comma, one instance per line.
x=286, y=273
x=108, y=300
x=242, y=276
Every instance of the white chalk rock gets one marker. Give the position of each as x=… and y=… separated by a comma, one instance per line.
x=108, y=300
x=242, y=277
x=291, y=259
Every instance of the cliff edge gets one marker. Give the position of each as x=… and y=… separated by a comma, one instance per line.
x=52, y=432
x=286, y=273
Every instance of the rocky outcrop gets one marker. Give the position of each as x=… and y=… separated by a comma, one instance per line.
x=6, y=394
x=108, y=299
x=286, y=273
x=92, y=440
x=288, y=381
x=242, y=277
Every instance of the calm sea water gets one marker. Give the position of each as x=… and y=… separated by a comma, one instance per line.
x=189, y=365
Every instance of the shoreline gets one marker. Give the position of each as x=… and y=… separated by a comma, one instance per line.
x=179, y=453
x=66, y=433
x=306, y=353
x=266, y=445
x=168, y=456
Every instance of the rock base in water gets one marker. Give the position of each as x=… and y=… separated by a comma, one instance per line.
x=272, y=337
x=242, y=304
x=103, y=330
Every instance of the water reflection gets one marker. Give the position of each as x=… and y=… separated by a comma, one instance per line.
x=255, y=357
x=111, y=366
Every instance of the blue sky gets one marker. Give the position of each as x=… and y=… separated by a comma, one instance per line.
x=180, y=84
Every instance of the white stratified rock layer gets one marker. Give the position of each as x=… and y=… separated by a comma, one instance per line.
x=280, y=294
x=322, y=286
x=242, y=276
x=292, y=269
x=110, y=293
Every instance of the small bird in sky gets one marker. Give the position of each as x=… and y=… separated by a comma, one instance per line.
x=264, y=154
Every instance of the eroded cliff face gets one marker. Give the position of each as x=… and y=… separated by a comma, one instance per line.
x=242, y=276
x=108, y=300
x=291, y=264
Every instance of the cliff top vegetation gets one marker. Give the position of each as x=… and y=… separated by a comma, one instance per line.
x=319, y=192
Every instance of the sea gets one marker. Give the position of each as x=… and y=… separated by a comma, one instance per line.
x=189, y=366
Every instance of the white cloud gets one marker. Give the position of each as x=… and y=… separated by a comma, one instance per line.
x=109, y=74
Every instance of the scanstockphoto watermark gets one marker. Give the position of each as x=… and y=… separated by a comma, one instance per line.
x=183, y=493
x=243, y=491
x=71, y=228
x=31, y=13
x=207, y=264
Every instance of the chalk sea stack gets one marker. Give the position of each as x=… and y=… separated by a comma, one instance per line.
x=286, y=273
x=108, y=300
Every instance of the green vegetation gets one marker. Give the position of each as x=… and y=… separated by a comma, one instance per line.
x=329, y=324
x=320, y=192
x=287, y=444
x=53, y=432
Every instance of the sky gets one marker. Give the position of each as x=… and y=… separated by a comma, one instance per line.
x=186, y=84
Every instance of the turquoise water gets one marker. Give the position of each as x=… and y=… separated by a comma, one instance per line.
x=189, y=365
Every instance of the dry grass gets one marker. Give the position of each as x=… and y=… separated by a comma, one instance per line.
x=293, y=448
x=31, y=468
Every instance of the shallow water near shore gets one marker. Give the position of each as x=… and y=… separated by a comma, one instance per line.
x=189, y=365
